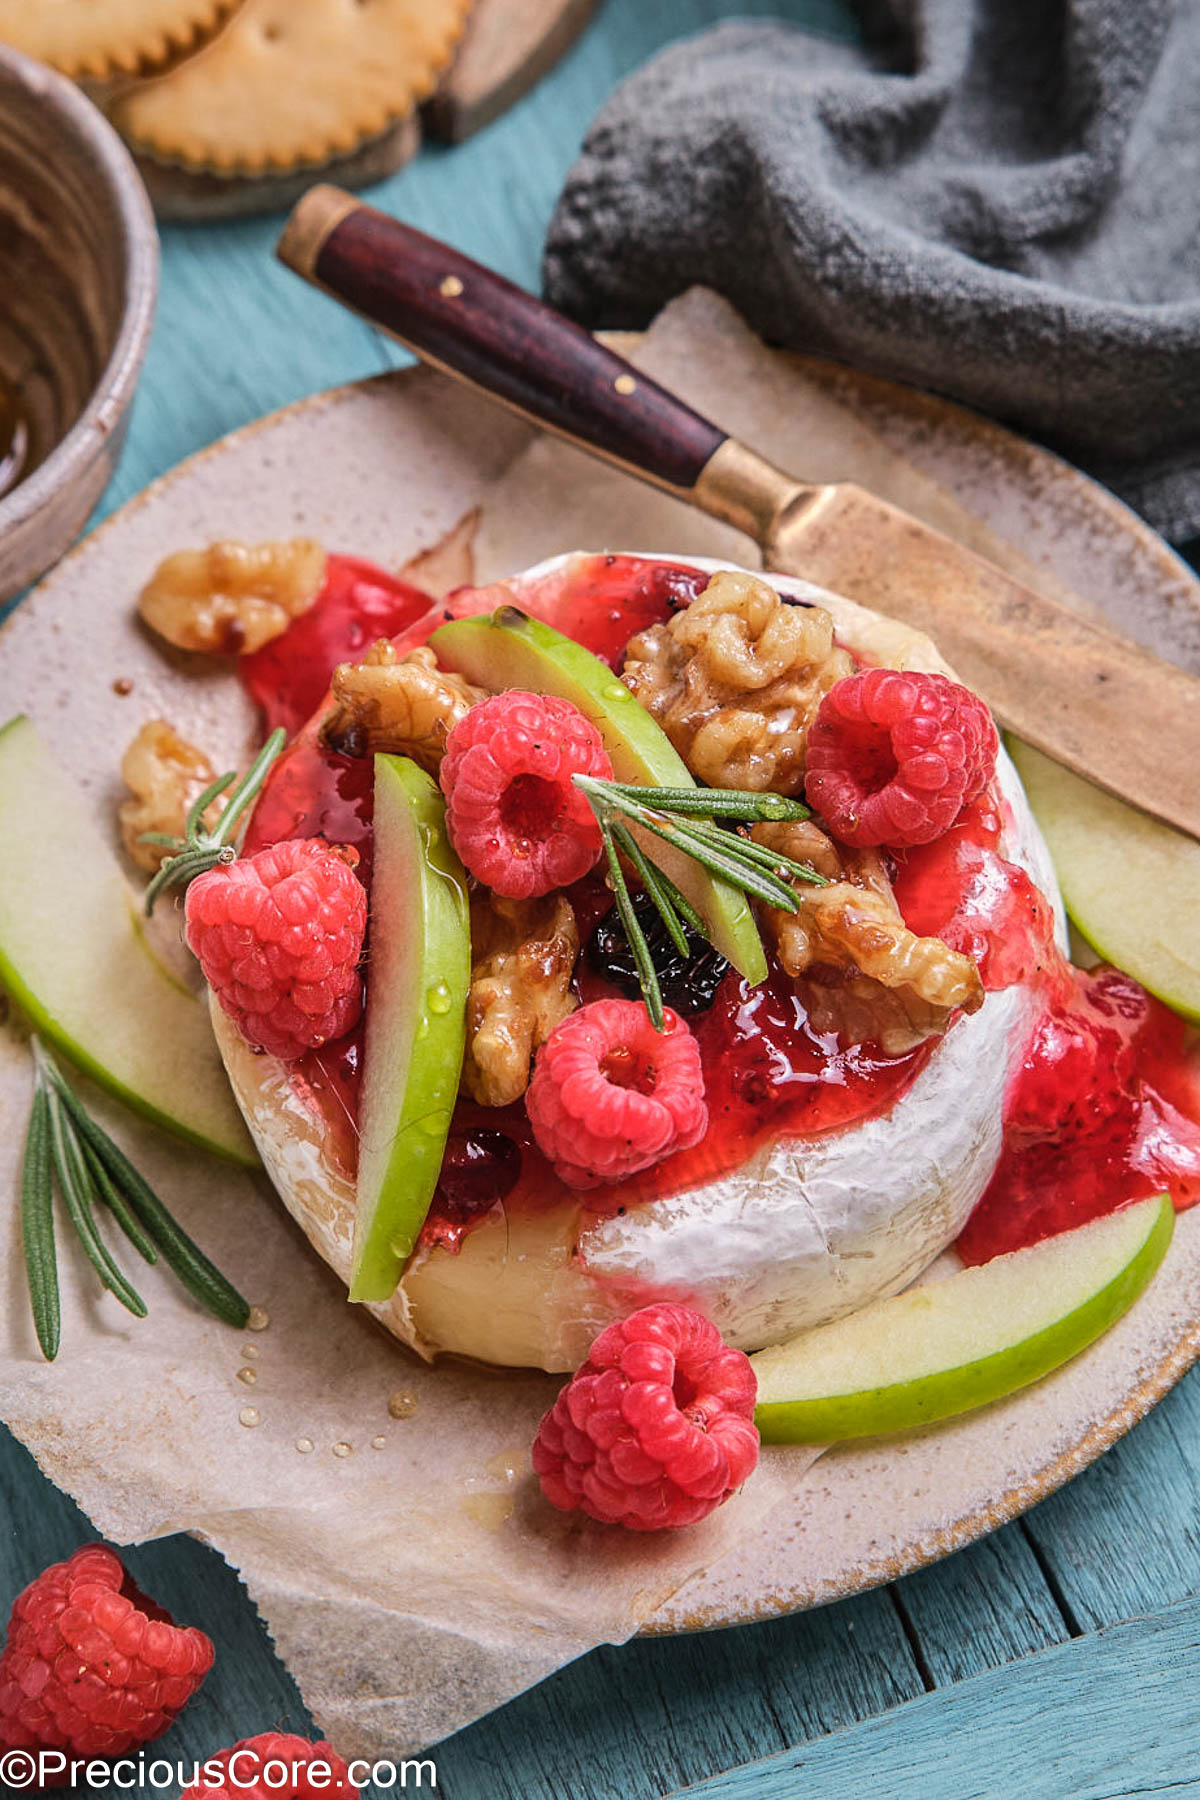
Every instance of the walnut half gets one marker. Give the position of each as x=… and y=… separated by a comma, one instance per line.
x=232, y=598
x=164, y=775
x=406, y=706
x=735, y=679
x=864, y=974
x=524, y=956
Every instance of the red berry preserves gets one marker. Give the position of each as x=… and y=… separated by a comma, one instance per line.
x=91, y=1666
x=278, y=936
x=512, y=811
x=611, y=1095
x=893, y=756
x=656, y=1429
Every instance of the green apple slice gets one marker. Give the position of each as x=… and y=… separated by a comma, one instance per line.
x=74, y=957
x=508, y=649
x=418, y=976
x=959, y=1343
x=1130, y=884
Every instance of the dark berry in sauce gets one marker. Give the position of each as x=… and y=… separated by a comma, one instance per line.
x=689, y=984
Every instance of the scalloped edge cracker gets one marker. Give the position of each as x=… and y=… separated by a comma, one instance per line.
x=290, y=82
x=104, y=38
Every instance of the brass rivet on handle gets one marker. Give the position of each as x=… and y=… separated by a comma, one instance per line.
x=450, y=287
x=625, y=384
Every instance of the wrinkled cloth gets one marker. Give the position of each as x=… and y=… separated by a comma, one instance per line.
x=998, y=200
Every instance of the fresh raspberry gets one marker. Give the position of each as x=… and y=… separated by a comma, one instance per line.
x=611, y=1095
x=513, y=814
x=279, y=935
x=273, y=1766
x=91, y=1666
x=656, y=1429
x=892, y=758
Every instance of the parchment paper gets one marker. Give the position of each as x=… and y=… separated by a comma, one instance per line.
x=406, y=1566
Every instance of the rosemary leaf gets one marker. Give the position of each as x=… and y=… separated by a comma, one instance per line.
x=203, y=801
x=75, y=1184
x=647, y=973
x=683, y=905
x=203, y=1280
x=248, y=786
x=118, y=1206
x=37, y=1227
x=652, y=880
x=760, y=854
x=726, y=803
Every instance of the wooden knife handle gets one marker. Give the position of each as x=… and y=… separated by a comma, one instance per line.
x=473, y=323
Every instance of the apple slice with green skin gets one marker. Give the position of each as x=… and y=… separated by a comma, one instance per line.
x=74, y=958
x=1130, y=884
x=956, y=1344
x=418, y=977
x=508, y=649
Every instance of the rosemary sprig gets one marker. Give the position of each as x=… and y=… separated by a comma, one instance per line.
x=685, y=819
x=65, y=1147
x=198, y=849
x=37, y=1227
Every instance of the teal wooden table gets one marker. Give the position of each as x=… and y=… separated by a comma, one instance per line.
x=1053, y=1659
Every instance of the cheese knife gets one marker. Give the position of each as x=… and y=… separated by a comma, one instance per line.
x=1088, y=697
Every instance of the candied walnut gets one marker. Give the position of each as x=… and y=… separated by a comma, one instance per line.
x=734, y=680
x=232, y=598
x=404, y=706
x=164, y=774
x=864, y=974
x=524, y=957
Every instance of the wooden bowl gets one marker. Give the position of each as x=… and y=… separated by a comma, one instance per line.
x=79, y=255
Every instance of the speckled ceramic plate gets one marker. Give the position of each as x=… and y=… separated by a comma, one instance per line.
x=342, y=467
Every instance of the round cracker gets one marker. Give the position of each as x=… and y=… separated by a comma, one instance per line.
x=103, y=38
x=293, y=81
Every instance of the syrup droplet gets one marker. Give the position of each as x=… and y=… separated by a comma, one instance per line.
x=259, y=1319
x=507, y=1465
x=423, y=1027
x=249, y=1415
x=439, y=998
x=249, y=1376
x=250, y=1351
x=489, y=1510
x=378, y=1443
x=122, y=686
x=402, y=1404
x=305, y=1446
x=343, y=1449
x=616, y=690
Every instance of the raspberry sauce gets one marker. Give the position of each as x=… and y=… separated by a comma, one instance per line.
x=960, y=888
x=1104, y=1110
x=357, y=604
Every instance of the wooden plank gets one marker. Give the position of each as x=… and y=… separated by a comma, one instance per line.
x=1124, y=1537
x=248, y=1690
x=508, y=47
x=658, y=1713
x=988, y=1605
x=1100, y=1718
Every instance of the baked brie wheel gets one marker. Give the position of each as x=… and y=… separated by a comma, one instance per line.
x=804, y=1230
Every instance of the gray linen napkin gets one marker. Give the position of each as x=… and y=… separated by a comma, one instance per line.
x=995, y=199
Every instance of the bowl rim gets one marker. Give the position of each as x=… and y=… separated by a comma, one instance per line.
x=68, y=106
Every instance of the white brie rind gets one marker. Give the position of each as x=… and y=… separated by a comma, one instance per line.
x=805, y=1230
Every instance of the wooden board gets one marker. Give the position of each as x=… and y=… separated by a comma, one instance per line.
x=185, y=194
x=510, y=45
